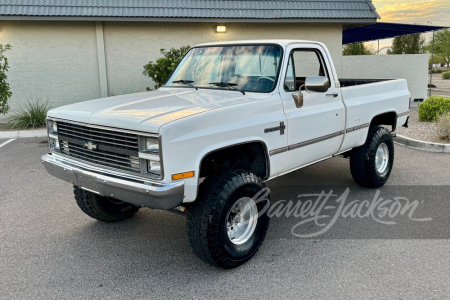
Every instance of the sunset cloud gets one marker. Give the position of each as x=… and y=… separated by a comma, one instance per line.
x=410, y=11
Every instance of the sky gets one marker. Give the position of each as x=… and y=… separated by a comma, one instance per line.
x=413, y=12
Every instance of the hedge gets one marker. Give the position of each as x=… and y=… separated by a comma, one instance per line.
x=433, y=107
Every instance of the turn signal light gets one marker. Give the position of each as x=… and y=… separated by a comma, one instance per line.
x=183, y=175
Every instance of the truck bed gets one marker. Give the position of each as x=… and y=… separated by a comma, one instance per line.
x=345, y=82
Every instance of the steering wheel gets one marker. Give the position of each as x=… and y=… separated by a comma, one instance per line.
x=265, y=77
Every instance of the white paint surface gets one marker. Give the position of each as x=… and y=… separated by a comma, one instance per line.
x=412, y=67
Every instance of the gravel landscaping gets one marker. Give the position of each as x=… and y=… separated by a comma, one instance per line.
x=423, y=131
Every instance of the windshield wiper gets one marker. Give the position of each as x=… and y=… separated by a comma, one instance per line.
x=186, y=82
x=229, y=85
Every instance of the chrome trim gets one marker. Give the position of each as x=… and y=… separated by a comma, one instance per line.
x=52, y=136
x=141, y=133
x=86, y=189
x=141, y=145
x=305, y=143
x=133, y=189
x=278, y=151
x=403, y=114
x=316, y=140
x=351, y=129
x=149, y=156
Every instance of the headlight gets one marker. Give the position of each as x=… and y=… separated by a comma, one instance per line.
x=54, y=127
x=154, y=167
x=152, y=154
x=152, y=145
x=54, y=142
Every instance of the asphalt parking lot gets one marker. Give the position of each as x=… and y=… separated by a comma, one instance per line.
x=50, y=250
x=442, y=86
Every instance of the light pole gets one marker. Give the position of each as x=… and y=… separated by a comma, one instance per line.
x=431, y=70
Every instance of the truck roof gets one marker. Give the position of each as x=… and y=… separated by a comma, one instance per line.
x=281, y=42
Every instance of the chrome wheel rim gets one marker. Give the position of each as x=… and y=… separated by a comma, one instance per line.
x=241, y=220
x=382, y=158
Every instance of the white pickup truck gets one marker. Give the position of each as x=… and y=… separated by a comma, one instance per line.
x=230, y=117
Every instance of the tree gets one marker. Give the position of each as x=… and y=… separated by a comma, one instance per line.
x=164, y=66
x=407, y=44
x=356, y=49
x=5, y=92
x=441, y=46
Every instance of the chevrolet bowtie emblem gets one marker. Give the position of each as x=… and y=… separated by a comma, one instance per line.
x=90, y=146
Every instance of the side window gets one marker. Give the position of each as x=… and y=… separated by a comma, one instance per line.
x=305, y=63
x=289, y=83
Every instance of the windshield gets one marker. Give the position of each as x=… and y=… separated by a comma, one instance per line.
x=244, y=68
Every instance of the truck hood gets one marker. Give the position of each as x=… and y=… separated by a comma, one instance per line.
x=148, y=111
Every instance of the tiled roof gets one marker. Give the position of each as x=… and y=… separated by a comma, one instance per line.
x=195, y=9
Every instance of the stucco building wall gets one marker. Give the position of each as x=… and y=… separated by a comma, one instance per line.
x=51, y=60
x=58, y=61
x=412, y=67
x=130, y=45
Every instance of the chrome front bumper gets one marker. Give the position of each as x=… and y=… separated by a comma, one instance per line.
x=129, y=188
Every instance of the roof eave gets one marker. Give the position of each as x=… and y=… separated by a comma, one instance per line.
x=374, y=10
x=201, y=20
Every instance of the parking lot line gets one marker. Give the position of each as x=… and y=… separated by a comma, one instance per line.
x=7, y=142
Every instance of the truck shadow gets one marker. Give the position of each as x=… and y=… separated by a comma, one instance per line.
x=153, y=243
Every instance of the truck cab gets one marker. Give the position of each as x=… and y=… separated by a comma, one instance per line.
x=230, y=117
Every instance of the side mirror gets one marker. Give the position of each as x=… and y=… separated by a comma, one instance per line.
x=319, y=84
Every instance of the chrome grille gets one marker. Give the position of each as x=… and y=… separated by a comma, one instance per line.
x=113, y=149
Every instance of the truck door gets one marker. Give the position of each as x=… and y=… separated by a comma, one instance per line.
x=315, y=130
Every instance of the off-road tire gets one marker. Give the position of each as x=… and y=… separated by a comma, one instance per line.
x=362, y=159
x=206, y=220
x=103, y=208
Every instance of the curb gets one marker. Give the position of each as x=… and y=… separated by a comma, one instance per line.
x=23, y=134
x=421, y=145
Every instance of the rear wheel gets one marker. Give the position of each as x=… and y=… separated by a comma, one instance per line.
x=223, y=225
x=371, y=164
x=103, y=208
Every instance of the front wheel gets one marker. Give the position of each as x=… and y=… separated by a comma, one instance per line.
x=226, y=224
x=103, y=208
x=371, y=164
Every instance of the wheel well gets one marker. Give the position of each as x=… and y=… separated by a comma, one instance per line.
x=389, y=118
x=251, y=157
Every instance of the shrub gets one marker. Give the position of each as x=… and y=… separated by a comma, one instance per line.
x=31, y=115
x=443, y=126
x=5, y=92
x=164, y=66
x=446, y=75
x=437, y=71
x=433, y=107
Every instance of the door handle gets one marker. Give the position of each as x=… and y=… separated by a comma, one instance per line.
x=333, y=94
